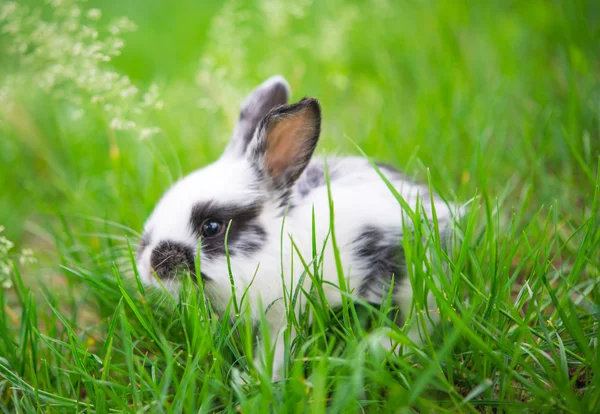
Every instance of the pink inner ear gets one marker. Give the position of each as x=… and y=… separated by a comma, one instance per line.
x=286, y=140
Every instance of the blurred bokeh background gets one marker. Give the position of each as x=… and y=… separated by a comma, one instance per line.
x=105, y=103
x=99, y=115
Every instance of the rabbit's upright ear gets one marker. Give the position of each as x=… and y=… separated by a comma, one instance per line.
x=285, y=141
x=270, y=94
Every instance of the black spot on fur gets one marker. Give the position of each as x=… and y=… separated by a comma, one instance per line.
x=385, y=259
x=169, y=257
x=284, y=199
x=245, y=234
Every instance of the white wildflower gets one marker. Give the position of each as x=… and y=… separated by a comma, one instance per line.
x=42, y=49
x=27, y=257
x=75, y=11
x=5, y=262
x=130, y=91
x=122, y=25
x=120, y=124
x=116, y=124
x=5, y=271
x=149, y=132
x=7, y=10
x=77, y=48
x=5, y=244
x=56, y=3
x=89, y=32
x=151, y=98
x=11, y=28
x=94, y=14
x=71, y=26
x=77, y=114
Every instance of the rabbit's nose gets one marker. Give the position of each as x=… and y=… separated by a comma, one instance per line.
x=170, y=258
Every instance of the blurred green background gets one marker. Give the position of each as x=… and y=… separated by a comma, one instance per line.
x=501, y=91
x=493, y=100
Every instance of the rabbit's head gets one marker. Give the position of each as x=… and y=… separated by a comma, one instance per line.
x=232, y=204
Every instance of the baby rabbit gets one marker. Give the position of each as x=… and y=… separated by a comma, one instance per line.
x=267, y=183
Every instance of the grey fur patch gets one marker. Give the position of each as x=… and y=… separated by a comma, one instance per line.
x=313, y=177
x=385, y=259
x=262, y=100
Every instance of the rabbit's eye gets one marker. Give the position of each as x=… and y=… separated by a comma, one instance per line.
x=211, y=228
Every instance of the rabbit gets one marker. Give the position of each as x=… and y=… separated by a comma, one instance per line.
x=268, y=183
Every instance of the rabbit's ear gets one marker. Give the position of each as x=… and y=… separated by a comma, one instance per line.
x=270, y=94
x=285, y=141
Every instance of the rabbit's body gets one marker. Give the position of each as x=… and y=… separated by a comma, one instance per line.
x=266, y=190
x=368, y=222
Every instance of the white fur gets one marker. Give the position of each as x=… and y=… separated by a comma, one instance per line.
x=360, y=198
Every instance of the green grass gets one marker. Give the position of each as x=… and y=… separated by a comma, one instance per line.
x=496, y=102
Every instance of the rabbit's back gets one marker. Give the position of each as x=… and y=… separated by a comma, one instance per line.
x=360, y=194
x=368, y=220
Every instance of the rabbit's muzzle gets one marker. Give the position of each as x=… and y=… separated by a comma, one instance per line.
x=170, y=259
